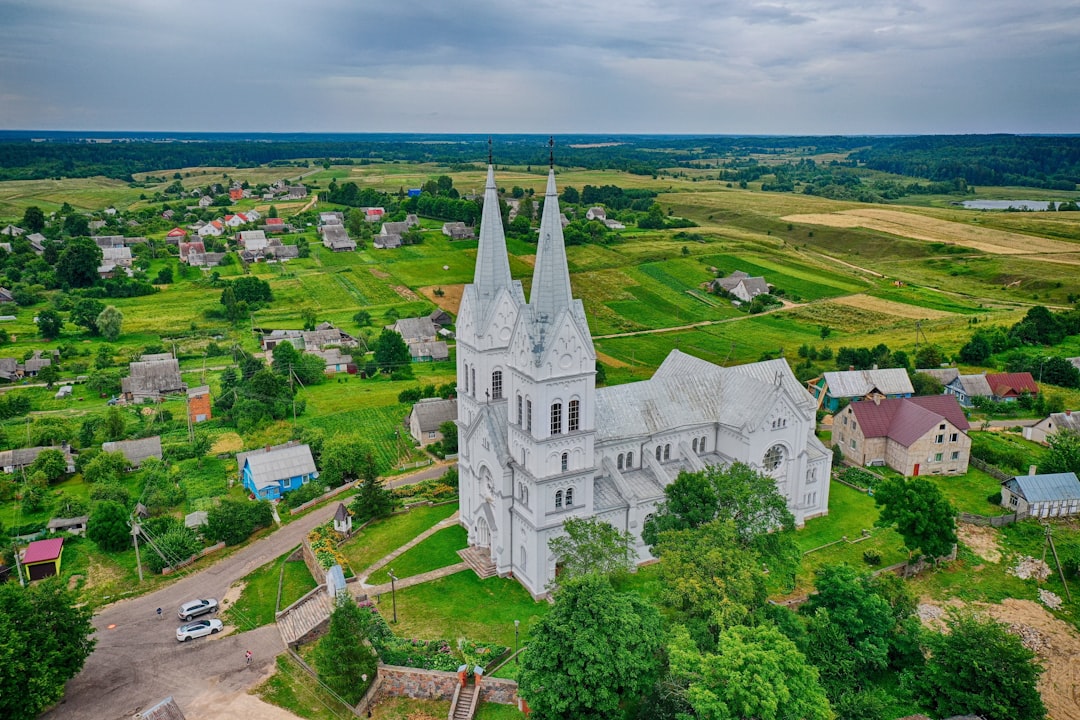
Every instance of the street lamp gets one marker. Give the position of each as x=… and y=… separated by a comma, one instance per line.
x=393, y=592
x=517, y=624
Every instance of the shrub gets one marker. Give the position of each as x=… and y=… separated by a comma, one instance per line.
x=871, y=557
x=994, y=499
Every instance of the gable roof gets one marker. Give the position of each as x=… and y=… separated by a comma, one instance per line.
x=1045, y=488
x=167, y=709
x=973, y=385
x=64, y=523
x=1006, y=384
x=268, y=467
x=436, y=350
x=150, y=377
x=43, y=550
x=136, y=450
x=342, y=513
x=1065, y=420
x=942, y=375
x=858, y=383
x=414, y=328
x=430, y=413
x=905, y=420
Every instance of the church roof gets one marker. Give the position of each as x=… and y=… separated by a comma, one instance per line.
x=492, y=262
x=550, y=293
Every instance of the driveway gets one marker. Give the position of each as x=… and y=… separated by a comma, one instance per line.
x=138, y=662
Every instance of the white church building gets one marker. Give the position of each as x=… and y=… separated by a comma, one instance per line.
x=539, y=443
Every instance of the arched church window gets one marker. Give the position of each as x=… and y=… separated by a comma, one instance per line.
x=619, y=465
x=496, y=385
x=702, y=445
x=773, y=457
x=556, y=418
x=519, y=409
x=569, y=497
x=466, y=377
x=473, y=381
x=695, y=444
x=523, y=563
x=659, y=452
x=667, y=452
x=565, y=461
x=574, y=414
x=558, y=499
x=528, y=415
x=629, y=460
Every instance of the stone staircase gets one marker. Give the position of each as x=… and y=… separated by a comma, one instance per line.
x=305, y=615
x=479, y=560
x=464, y=705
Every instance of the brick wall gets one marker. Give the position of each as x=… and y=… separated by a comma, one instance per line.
x=395, y=681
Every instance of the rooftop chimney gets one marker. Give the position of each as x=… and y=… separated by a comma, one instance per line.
x=1031, y=469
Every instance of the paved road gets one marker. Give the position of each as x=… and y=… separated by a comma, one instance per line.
x=138, y=661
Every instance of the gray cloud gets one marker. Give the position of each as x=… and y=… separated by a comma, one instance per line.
x=719, y=66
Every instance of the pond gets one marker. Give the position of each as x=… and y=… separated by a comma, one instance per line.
x=1039, y=205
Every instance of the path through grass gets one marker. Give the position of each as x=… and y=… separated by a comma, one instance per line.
x=380, y=538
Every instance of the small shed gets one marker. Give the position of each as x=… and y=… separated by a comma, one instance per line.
x=342, y=519
x=75, y=525
x=167, y=709
x=1049, y=495
x=195, y=520
x=426, y=417
x=42, y=558
x=63, y=392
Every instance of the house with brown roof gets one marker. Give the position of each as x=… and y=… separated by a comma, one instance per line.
x=1008, y=387
x=189, y=248
x=152, y=377
x=175, y=236
x=914, y=436
x=1051, y=425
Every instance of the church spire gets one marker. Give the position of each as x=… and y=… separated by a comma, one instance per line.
x=550, y=292
x=492, y=263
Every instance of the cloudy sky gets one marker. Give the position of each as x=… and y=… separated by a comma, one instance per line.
x=561, y=66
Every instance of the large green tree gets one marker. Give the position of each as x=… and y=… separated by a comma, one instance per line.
x=595, y=650
x=85, y=314
x=50, y=324
x=592, y=546
x=342, y=656
x=756, y=673
x=921, y=513
x=391, y=352
x=50, y=463
x=109, y=323
x=44, y=642
x=33, y=219
x=374, y=499
x=1064, y=453
x=978, y=668
x=344, y=458
x=108, y=526
x=78, y=263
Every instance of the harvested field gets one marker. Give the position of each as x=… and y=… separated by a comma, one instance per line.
x=888, y=307
x=450, y=300
x=842, y=317
x=610, y=361
x=920, y=227
x=983, y=541
x=406, y=292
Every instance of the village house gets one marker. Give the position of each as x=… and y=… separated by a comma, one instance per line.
x=12, y=231
x=273, y=471
x=414, y=330
x=373, y=214
x=324, y=335
x=596, y=213
x=427, y=416
x=214, y=228
x=914, y=436
x=136, y=451
x=741, y=285
x=614, y=224
x=42, y=558
x=167, y=214
x=236, y=194
x=833, y=387
x=34, y=363
x=275, y=225
x=277, y=251
x=458, y=231
x=1051, y=425
x=175, y=236
x=108, y=241
x=19, y=458
x=114, y=260
x=296, y=192
x=75, y=525
x=199, y=404
x=206, y=201
x=152, y=377
x=254, y=240
x=37, y=243
x=6, y=296
x=336, y=237
x=1050, y=495
x=998, y=387
x=187, y=248
x=335, y=361
x=237, y=220
x=331, y=218
x=435, y=351
x=440, y=318
x=210, y=259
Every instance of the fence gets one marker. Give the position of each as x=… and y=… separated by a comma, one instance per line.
x=322, y=498
x=202, y=553
x=992, y=521
x=991, y=470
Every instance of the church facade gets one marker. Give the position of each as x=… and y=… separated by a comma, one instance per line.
x=539, y=443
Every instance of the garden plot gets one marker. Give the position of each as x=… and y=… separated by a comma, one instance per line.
x=889, y=307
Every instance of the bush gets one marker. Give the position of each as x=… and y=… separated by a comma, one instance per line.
x=858, y=477
x=871, y=557
x=994, y=499
x=307, y=491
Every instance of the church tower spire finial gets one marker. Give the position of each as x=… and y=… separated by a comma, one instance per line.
x=489, y=151
x=551, y=152
x=492, y=263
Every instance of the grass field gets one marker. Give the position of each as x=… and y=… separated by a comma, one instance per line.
x=437, y=551
x=382, y=536
x=258, y=600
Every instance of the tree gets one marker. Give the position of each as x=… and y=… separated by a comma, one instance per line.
x=33, y=219
x=921, y=513
x=285, y=357
x=449, y=437
x=232, y=521
x=592, y=546
x=45, y=642
x=177, y=544
x=105, y=467
x=593, y=651
x=928, y=356
x=924, y=384
x=1064, y=452
x=342, y=657
x=50, y=324
x=310, y=317
x=709, y=582
x=756, y=673
x=108, y=526
x=374, y=500
x=76, y=226
x=49, y=375
x=390, y=351
x=85, y=314
x=50, y=463
x=114, y=427
x=78, y=262
x=343, y=458
x=977, y=350
x=978, y=668
x=362, y=318
x=109, y=323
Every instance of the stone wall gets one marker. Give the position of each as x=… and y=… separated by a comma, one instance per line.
x=497, y=690
x=396, y=681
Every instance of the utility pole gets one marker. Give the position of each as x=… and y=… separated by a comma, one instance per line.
x=18, y=565
x=1050, y=539
x=187, y=411
x=135, y=537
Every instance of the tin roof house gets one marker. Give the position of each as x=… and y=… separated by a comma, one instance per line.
x=270, y=473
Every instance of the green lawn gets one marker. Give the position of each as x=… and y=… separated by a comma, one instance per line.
x=258, y=601
x=437, y=551
x=294, y=690
x=969, y=492
x=382, y=536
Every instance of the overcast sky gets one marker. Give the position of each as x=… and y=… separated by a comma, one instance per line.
x=544, y=66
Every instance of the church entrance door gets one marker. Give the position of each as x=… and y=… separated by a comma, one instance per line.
x=483, y=533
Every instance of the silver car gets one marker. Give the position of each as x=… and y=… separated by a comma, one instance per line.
x=197, y=629
x=197, y=607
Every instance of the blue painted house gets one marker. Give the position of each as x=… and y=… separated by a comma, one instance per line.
x=271, y=472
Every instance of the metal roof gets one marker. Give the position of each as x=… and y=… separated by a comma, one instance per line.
x=43, y=550
x=858, y=383
x=267, y=468
x=905, y=420
x=432, y=412
x=1045, y=488
x=136, y=450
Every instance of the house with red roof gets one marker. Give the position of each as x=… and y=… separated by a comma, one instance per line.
x=236, y=220
x=41, y=558
x=275, y=225
x=914, y=436
x=1008, y=387
x=236, y=194
x=176, y=235
x=214, y=228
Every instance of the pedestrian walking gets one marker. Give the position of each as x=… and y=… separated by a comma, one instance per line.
x=247, y=658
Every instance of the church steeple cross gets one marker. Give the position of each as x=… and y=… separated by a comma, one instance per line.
x=489, y=151
x=551, y=152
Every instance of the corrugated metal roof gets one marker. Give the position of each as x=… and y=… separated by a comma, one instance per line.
x=136, y=450
x=905, y=420
x=432, y=413
x=1012, y=383
x=1066, y=421
x=1045, y=488
x=975, y=385
x=43, y=550
x=858, y=383
x=269, y=467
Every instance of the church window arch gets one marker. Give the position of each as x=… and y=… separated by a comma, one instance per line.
x=774, y=456
x=556, y=418
x=619, y=464
x=496, y=385
x=565, y=461
x=472, y=380
x=519, y=410
x=574, y=415
x=528, y=415
x=524, y=564
x=702, y=445
x=466, y=378
x=659, y=452
x=569, y=497
x=667, y=451
x=558, y=499
x=629, y=460
x=695, y=444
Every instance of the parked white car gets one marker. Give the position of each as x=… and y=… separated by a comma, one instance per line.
x=194, y=608
x=198, y=629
